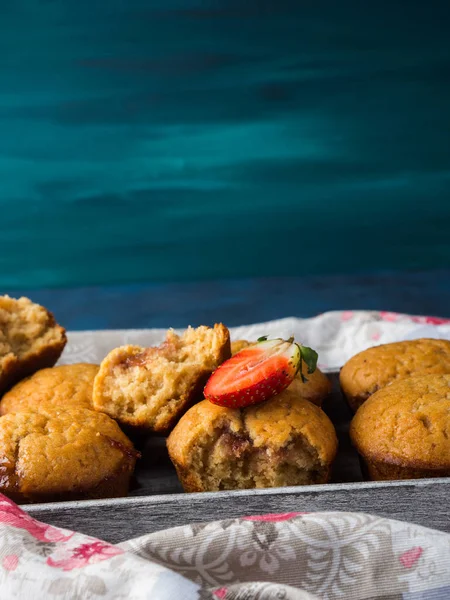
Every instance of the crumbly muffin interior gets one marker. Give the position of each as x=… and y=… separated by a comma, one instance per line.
x=145, y=385
x=232, y=460
x=25, y=328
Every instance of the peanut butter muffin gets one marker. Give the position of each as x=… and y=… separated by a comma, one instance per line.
x=377, y=367
x=150, y=388
x=63, y=455
x=30, y=339
x=315, y=389
x=66, y=386
x=403, y=430
x=281, y=442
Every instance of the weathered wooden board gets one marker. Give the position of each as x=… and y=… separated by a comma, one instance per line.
x=424, y=502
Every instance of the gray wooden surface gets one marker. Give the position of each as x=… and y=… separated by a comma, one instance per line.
x=424, y=502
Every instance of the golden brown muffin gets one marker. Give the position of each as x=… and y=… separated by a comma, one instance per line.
x=284, y=441
x=30, y=339
x=150, y=388
x=67, y=386
x=403, y=430
x=63, y=455
x=377, y=367
x=315, y=389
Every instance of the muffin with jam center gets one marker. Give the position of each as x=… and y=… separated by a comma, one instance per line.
x=284, y=441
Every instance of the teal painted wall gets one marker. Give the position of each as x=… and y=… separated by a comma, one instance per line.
x=183, y=139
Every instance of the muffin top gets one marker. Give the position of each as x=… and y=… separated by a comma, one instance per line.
x=406, y=423
x=316, y=387
x=67, y=386
x=66, y=451
x=377, y=367
x=272, y=424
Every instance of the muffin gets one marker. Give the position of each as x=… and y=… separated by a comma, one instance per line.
x=403, y=430
x=63, y=455
x=67, y=386
x=282, y=442
x=30, y=339
x=315, y=389
x=151, y=388
x=377, y=367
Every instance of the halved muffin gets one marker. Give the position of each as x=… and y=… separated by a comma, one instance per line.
x=151, y=388
x=30, y=339
x=63, y=455
x=66, y=386
x=315, y=389
x=281, y=442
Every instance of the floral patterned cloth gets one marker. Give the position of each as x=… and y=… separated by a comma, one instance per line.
x=335, y=335
x=293, y=556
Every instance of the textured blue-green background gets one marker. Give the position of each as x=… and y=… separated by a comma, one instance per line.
x=144, y=140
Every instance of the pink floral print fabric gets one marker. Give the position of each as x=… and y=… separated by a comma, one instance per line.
x=290, y=556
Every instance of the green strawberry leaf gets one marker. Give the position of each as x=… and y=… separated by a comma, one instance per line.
x=310, y=357
x=262, y=338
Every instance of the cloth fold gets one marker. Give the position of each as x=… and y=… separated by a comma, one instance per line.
x=292, y=556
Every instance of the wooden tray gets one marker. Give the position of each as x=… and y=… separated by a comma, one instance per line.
x=158, y=501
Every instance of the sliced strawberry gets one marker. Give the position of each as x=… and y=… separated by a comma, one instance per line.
x=258, y=373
